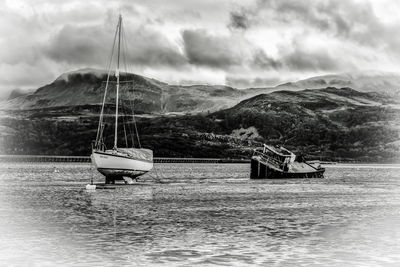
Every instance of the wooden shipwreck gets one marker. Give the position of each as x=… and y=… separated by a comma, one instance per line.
x=278, y=162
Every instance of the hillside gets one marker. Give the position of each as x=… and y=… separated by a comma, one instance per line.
x=330, y=124
x=17, y=93
x=366, y=81
x=387, y=83
x=327, y=122
x=87, y=86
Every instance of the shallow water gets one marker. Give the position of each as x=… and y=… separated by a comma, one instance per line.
x=199, y=214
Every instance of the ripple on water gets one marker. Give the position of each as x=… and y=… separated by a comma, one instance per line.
x=201, y=214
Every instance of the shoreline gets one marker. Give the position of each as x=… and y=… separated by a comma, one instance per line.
x=86, y=159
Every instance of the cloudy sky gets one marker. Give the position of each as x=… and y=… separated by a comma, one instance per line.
x=238, y=43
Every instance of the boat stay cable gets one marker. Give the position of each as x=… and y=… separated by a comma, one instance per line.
x=117, y=75
x=131, y=102
x=127, y=77
x=119, y=47
x=99, y=137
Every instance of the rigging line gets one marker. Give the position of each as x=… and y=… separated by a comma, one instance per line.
x=130, y=132
x=127, y=72
x=137, y=133
x=130, y=129
x=124, y=54
x=125, y=45
x=131, y=103
x=123, y=124
x=117, y=74
x=100, y=128
x=124, y=88
x=128, y=124
x=157, y=177
x=132, y=106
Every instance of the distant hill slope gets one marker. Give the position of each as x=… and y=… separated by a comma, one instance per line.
x=327, y=100
x=367, y=81
x=87, y=86
x=364, y=81
x=17, y=93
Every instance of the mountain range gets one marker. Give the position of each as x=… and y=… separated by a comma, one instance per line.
x=86, y=87
x=365, y=81
x=360, y=122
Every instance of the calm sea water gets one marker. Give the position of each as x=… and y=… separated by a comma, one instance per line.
x=199, y=214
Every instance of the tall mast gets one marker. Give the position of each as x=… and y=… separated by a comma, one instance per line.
x=117, y=75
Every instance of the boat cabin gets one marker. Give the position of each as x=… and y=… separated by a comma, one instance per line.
x=276, y=155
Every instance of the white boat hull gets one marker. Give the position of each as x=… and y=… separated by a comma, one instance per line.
x=116, y=165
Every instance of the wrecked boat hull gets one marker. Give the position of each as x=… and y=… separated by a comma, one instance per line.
x=261, y=170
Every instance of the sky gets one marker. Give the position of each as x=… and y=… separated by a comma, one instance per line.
x=247, y=43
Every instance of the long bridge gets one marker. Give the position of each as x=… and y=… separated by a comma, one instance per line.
x=86, y=159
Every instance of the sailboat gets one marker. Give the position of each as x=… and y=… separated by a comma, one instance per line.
x=118, y=162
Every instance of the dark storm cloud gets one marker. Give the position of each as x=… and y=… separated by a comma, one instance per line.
x=238, y=20
x=263, y=61
x=90, y=45
x=349, y=22
x=201, y=48
x=354, y=21
x=344, y=19
x=224, y=52
x=326, y=15
x=79, y=45
x=311, y=61
x=151, y=48
x=299, y=58
x=238, y=39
